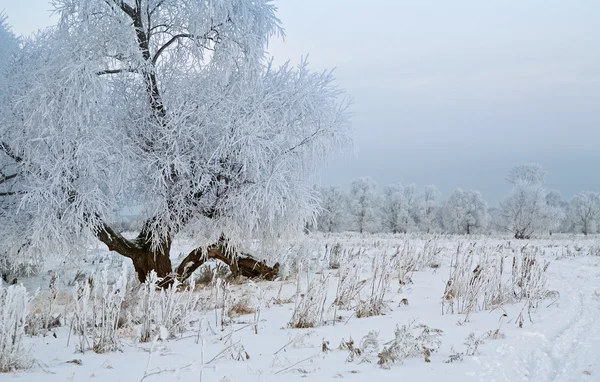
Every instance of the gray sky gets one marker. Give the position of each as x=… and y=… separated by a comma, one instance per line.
x=451, y=93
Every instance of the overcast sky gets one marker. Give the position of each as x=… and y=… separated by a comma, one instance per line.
x=451, y=93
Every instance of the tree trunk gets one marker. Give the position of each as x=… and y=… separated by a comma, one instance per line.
x=145, y=259
x=239, y=264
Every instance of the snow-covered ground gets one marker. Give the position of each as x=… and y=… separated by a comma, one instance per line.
x=557, y=339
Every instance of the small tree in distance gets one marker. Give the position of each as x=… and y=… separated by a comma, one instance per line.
x=364, y=205
x=465, y=212
x=399, y=208
x=584, y=211
x=525, y=210
x=429, y=206
x=333, y=213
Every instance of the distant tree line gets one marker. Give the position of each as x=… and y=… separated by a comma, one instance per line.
x=529, y=209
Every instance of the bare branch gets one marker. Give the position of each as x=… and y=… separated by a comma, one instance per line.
x=210, y=35
x=168, y=43
x=115, y=241
x=10, y=193
x=116, y=71
x=7, y=178
x=10, y=152
x=155, y=8
x=303, y=142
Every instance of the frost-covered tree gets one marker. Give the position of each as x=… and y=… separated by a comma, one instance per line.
x=555, y=212
x=584, y=212
x=364, y=205
x=429, y=208
x=9, y=171
x=399, y=208
x=333, y=214
x=168, y=105
x=410, y=218
x=525, y=210
x=392, y=208
x=465, y=212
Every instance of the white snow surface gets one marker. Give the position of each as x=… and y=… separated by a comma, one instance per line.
x=560, y=341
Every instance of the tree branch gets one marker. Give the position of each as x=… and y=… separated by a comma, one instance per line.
x=208, y=35
x=156, y=7
x=115, y=71
x=7, y=178
x=168, y=43
x=303, y=141
x=10, y=152
x=128, y=9
x=116, y=242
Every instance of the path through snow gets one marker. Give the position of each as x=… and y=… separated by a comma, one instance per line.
x=564, y=346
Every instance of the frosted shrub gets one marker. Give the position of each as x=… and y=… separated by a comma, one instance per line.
x=310, y=306
x=335, y=255
x=476, y=281
x=406, y=263
x=166, y=311
x=375, y=305
x=80, y=321
x=349, y=283
x=13, y=301
x=529, y=277
x=369, y=346
x=479, y=281
x=410, y=341
x=97, y=312
x=176, y=308
x=454, y=356
x=472, y=343
x=146, y=309
x=430, y=255
x=409, y=259
x=106, y=312
x=224, y=302
x=43, y=317
x=366, y=351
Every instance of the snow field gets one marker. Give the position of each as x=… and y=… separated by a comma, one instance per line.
x=534, y=321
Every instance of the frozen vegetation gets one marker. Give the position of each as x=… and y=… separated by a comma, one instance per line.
x=353, y=306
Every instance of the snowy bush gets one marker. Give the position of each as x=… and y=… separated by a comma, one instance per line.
x=472, y=343
x=82, y=304
x=410, y=341
x=480, y=279
x=310, y=305
x=43, y=316
x=367, y=350
x=176, y=308
x=475, y=281
x=13, y=300
x=375, y=305
x=160, y=311
x=106, y=312
x=349, y=283
x=97, y=311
